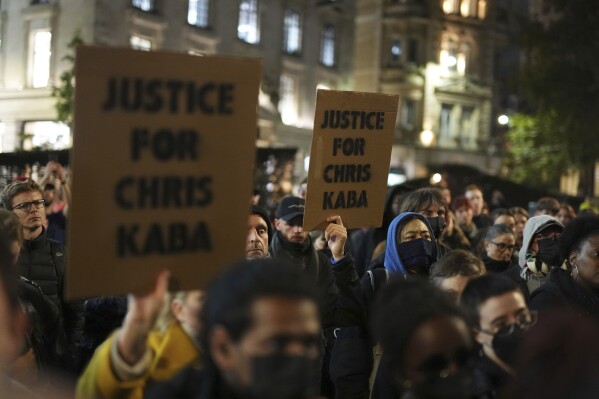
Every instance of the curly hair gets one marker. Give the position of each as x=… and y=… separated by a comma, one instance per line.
x=576, y=233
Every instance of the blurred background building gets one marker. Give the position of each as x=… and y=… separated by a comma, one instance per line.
x=451, y=62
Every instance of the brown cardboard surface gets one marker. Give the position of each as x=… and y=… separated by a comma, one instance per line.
x=163, y=179
x=349, y=160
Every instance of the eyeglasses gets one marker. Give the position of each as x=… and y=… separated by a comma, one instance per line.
x=26, y=206
x=502, y=247
x=526, y=321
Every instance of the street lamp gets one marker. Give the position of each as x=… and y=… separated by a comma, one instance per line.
x=503, y=119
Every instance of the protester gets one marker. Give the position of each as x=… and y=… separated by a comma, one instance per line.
x=559, y=358
x=464, y=214
x=499, y=317
x=475, y=196
x=565, y=214
x=504, y=216
x=137, y=354
x=42, y=260
x=498, y=247
x=45, y=335
x=521, y=217
x=259, y=233
x=452, y=272
x=260, y=337
x=578, y=285
x=426, y=340
x=57, y=196
x=539, y=253
x=547, y=206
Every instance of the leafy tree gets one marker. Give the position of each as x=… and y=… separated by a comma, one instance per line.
x=64, y=93
x=561, y=81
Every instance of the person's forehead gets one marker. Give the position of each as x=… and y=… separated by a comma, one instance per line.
x=414, y=225
x=278, y=314
x=474, y=193
x=27, y=195
x=505, y=219
x=504, y=238
x=504, y=305
x=256, y=221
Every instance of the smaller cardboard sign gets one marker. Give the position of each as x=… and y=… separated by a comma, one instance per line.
x=349, y=161
x=162, y=160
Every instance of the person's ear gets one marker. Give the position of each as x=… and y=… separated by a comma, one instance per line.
x=177, y=309
x=572, y=260
x=277, y=224
x=220, y=346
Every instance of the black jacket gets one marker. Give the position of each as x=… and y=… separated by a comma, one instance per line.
x=489, y=379
x=339, y=285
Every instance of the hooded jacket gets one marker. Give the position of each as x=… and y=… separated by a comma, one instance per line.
x=393, y=262
x=533, y=225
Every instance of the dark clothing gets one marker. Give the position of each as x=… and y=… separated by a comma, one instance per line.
x=340, y=301
x=190, y=383
x=42, y=261
x=57, y=227
x=562, y=291
x=494, y=266
x=489, y=379
x=514, y=274
x=482, y=221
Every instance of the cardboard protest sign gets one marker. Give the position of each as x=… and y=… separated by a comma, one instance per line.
x=162, y=160
x=349, y=160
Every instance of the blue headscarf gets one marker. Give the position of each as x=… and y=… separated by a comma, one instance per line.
x=393, y=262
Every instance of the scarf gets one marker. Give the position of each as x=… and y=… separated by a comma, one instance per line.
x=301, y=255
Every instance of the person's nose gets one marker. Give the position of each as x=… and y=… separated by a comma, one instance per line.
x=252, y=235
x=299, y=229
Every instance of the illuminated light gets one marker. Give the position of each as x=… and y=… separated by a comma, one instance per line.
x=427, y=137
x=307, y=163
x=322, y=86
x=436, y=178
x=461, y=63
x=503, y=119
x=394, y=179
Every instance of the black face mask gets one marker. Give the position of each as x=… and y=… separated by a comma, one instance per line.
x=549, y=252
x=416, y=255
x=506, y=346
x=283, y=377
x=437, y=225
x=456, y=386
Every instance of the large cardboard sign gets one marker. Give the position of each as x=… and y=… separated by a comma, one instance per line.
x=349, y=160
x=162, y=159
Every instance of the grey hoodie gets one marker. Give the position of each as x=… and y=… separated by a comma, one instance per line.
x=533, y=225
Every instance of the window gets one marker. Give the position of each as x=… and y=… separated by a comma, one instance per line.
x=198, y=13
x=140, y=43
x=327, y=46
x=396, y=51
x=248, y=29
x=467, y=127
x=482, y=9
x=41, y=51
x=445, y=123
x=144, y=5
x=407, y=113
x=413, y=51
x=288, y=99
x=292, y=32
x=450, y=6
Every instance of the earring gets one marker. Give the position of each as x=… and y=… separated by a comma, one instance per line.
x=574, y=266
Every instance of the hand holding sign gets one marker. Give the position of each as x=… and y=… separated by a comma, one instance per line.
x=336, y=235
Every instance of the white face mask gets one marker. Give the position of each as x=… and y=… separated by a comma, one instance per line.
x=535, y=265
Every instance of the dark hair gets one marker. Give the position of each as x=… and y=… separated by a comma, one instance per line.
x=230, y=297
x=576, y=232
x=517, y=210
x=8, y=273
x=415, y=201
x=500, y=212
x=401, y=307
x=496, y=230
x=458, y=262
x=10, y=225
x=548, y=204
x=459, y=202
x=480, y=289
x=16, y=188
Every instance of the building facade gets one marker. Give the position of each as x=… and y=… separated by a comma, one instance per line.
x=452, y=63
x=304, y=45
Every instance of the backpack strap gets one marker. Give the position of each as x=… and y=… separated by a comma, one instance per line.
x=58, y=266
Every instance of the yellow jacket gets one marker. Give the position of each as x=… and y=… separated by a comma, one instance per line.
x=172, y=350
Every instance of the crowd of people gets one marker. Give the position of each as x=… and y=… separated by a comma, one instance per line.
x=447, y=299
